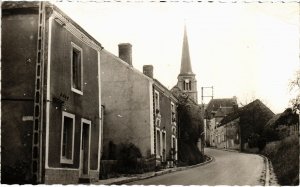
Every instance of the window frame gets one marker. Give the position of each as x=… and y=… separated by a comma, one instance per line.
x=88, y=122
x=173, y=110
x=64, y=160
x=158, y=142
x=79, y=49
x=156, y=104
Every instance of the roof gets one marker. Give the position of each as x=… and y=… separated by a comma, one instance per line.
x=273, y=120
x=186, y=67
x=226, y=105
x=288, y=117
x=223, y=111
x=165, y=89
x=255, y=105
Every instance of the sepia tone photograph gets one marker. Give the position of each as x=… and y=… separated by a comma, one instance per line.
x=150, y=92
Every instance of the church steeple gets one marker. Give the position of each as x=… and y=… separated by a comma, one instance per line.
x=186, y=67
x=186, y=79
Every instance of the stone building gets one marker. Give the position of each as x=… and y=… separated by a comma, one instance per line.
x=237, y=128
x=215, y=111
x=50, y=97
x=138, y=108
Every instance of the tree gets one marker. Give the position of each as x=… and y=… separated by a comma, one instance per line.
x=295, y=87
x=190, y=127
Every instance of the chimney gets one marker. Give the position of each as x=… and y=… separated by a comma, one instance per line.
x=148, y=70
x=125, y=52
x=235, y=104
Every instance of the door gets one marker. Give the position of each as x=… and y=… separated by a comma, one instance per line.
x=85, y=148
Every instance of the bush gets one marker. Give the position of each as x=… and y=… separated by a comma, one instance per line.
x=285, y=159
x=128, y=159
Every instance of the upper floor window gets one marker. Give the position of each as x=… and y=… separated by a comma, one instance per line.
x=156, y=99
x=76, y=69
x=173, y=117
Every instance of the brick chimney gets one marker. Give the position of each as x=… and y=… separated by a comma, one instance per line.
x=148, y=70
x=235, y=104
x=125, y=52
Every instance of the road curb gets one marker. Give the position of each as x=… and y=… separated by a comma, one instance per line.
x=267, y=167
x=270, y=176
x=159, y=173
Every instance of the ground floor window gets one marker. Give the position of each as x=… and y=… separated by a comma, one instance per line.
x=67, y=138
x=158, y=147
x=164, y=146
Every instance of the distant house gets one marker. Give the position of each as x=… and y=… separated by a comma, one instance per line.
x=237, y=128
x=50, y=100
x=286, y=123
x=215, y=111
x=138, y=109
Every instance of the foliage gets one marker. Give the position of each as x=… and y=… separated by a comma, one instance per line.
x=189, y=154
x=16, y=174
x=128, y=158
x=270, y=134
x=124, y=158
x=284, y=156
x=295, y=87
x=191, y=128
x=253, y=120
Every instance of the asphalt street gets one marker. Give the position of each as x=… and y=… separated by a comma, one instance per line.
x=228, y=168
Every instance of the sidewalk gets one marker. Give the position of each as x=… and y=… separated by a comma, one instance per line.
x=123, y=180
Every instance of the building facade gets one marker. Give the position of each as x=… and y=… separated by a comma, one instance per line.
x=236, y=129
x=138, y=109
x=51, y=97
x=165, y=119
x=215, y=111
x=227, y=135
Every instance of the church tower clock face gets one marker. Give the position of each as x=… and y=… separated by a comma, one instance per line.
x=186, y=78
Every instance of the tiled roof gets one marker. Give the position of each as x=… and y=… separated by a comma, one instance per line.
x=255, y=105
x=225, y=104
x=284, y=118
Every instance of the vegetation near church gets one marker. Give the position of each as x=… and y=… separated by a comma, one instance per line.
x=190, y=129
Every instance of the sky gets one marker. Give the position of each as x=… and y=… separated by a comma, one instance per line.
x=248, y=50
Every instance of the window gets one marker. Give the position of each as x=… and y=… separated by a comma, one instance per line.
x=156, y=100
x=173, y=117
x=76, y=69
x=187, y=85
x=164, y=146
x=158, y=142
x=67, y=138
x=174, y=147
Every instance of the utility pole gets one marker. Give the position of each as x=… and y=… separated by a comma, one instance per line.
x=202, y=102
x=202, y=93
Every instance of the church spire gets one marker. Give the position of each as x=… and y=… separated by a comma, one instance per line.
x=187, y=82
x=186, y=67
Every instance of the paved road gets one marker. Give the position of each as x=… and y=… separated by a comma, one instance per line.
x=228, y=168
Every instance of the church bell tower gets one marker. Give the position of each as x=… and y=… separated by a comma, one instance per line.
x=186, y=79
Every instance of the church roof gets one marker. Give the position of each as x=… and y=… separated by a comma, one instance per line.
x=186, y=67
